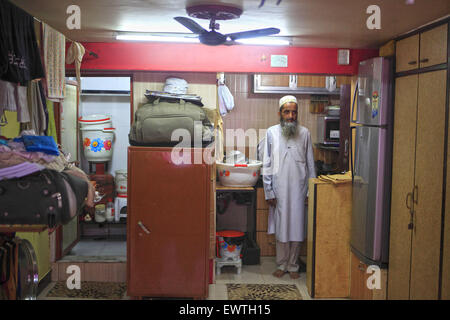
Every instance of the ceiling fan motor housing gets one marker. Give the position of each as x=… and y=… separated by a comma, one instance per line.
x=214, y=11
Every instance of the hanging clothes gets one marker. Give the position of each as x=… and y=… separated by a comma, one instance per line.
x=20, y=60
x=51, y=129
x=54, y=44
x=13, y=97
x=226, y=100
x=75, y=55
x=36, y=107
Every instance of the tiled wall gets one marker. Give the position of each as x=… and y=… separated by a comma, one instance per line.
x=260, y=110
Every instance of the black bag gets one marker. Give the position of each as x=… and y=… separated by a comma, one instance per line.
x=45, y=197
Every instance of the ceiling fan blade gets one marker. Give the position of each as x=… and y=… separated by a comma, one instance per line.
x=191, y=25
x=253, y=33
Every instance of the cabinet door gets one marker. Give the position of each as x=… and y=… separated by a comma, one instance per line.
x=433, y=46
x=407, y=54
x=402, y=184
x=358, y=286
x=310, y=81
x=275, y=80
x=446, y=243
x=172, y=202
x=429, y=181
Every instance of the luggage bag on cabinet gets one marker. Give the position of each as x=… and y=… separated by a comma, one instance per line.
x=155, y=124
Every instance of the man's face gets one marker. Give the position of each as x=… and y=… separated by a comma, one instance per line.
x=288, y=112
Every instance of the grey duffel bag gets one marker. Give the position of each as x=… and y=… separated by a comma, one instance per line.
x=169, y=123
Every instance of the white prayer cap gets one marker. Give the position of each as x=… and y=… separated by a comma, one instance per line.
x=287, y=99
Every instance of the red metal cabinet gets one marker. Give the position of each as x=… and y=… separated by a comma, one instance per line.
x=168, y=224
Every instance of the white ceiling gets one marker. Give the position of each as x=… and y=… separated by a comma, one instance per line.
x=312, y=23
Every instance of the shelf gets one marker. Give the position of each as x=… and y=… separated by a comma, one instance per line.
x=105, y=223
x=219, y=187
x=326, y=147
x=22, y=228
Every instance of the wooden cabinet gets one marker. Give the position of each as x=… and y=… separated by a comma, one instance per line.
x=276, y=80
x=328, y=240
x=407, y=54
x=417, y=186
x=168, y=236
x=445, y=286
x=266, y=242
x=433, y=46
x=361, y=275
x=296, y=84
x=422, y=50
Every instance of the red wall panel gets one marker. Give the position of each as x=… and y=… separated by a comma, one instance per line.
x=147, y=56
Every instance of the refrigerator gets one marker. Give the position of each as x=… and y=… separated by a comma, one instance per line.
x=373, y=162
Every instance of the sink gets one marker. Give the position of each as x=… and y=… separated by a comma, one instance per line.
x=238, y=175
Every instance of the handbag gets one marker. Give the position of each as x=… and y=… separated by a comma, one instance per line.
x=47, y=197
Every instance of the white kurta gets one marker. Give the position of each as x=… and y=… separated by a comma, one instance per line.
x=287, y=166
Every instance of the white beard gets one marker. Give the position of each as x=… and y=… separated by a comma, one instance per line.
x=288, y=129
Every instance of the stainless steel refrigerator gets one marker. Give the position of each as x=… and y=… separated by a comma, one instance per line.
x=372, y=166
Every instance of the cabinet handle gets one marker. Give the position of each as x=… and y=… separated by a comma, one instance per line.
x=424, y=60
x=412, y=62
x=346, y=148
x=416, y=194
x=140, y=224
x=408, y=196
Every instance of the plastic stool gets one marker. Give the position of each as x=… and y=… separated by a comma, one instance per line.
x=120, y=202
x=227, y=262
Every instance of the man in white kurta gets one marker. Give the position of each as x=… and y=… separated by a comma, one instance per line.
x=288, y=163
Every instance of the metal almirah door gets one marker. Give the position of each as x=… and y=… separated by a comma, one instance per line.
x=168, y=225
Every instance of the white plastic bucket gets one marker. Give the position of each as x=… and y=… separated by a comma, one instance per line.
x=97, y=137
x=121, y=181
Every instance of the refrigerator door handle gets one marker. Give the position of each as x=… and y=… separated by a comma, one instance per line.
x=351, y=153
x=355, y=94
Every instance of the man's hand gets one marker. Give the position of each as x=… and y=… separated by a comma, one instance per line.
x=272, y=202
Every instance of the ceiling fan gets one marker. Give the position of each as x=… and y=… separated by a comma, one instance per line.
x=218, y=12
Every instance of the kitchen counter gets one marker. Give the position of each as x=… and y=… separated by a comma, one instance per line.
x=328, y=254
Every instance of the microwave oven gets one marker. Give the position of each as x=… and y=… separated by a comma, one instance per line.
x=328, y=130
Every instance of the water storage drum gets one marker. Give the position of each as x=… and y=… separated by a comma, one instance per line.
x=97, y=136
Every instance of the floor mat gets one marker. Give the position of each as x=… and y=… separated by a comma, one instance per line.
x=263, y=292
x=89, y=290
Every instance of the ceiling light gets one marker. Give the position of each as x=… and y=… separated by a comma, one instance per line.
x=155, y=38
x=264, y=41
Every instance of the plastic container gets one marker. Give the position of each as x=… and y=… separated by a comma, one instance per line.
x=121, y=181
x=238, y=175
x=110, y=212
x=229, y=244
x=100, y=213
x=97, y=137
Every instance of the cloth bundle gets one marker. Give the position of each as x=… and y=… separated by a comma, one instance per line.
x=176, y=85
x=337, y=178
